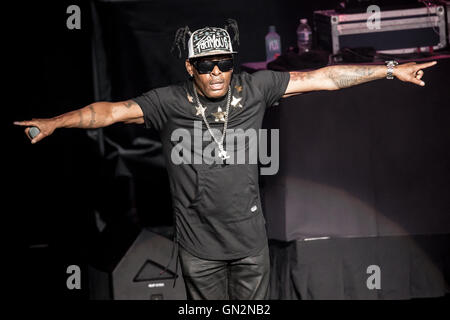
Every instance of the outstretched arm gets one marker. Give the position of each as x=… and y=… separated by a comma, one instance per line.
x=338, y=77
x=95, y=115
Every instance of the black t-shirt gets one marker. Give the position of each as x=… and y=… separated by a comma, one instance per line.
x=217, y=206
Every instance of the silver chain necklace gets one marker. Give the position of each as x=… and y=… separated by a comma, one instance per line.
x=222, y=152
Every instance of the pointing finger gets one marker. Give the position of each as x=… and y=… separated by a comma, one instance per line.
x=426, y=65
x=23, y=123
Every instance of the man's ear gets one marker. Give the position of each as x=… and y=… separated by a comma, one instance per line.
x=189, y=67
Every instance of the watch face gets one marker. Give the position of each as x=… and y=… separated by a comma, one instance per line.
x=391, y=63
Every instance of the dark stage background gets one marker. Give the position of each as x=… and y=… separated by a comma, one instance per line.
x=81, y=197
x=367, y=161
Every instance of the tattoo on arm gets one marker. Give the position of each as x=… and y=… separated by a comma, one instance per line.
x=129, y=103
x=347, y=76
x=80, y=114
x=92, y=121
x=300, y=76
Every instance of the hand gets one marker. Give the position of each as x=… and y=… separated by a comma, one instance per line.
x=412, y=72
x=45, y=126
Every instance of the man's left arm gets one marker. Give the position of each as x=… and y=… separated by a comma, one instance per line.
x=344, y=76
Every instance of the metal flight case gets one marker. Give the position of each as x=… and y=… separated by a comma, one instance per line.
x=395, y=31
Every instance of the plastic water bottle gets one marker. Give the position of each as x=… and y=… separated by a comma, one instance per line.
x=273, y=44
x=304, y=36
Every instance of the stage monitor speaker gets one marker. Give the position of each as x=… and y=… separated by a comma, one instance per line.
x=139, y=275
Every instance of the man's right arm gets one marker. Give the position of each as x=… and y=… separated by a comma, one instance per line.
x=95, y=115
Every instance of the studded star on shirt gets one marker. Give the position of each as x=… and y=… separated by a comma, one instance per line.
x=190, y=98
x=236, y=102
x=200, y=110
x=220, y=115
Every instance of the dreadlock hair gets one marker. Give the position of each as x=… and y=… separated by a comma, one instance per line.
x=180, y=41
x=231, y=25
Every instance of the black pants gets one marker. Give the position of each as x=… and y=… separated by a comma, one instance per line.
x=239, y=279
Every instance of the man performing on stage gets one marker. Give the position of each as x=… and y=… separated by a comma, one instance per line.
x=219, y=225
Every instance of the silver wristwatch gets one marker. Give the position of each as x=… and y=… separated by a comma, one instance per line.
x=390, y=68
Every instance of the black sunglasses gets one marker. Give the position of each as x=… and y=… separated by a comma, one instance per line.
x=207, y=66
